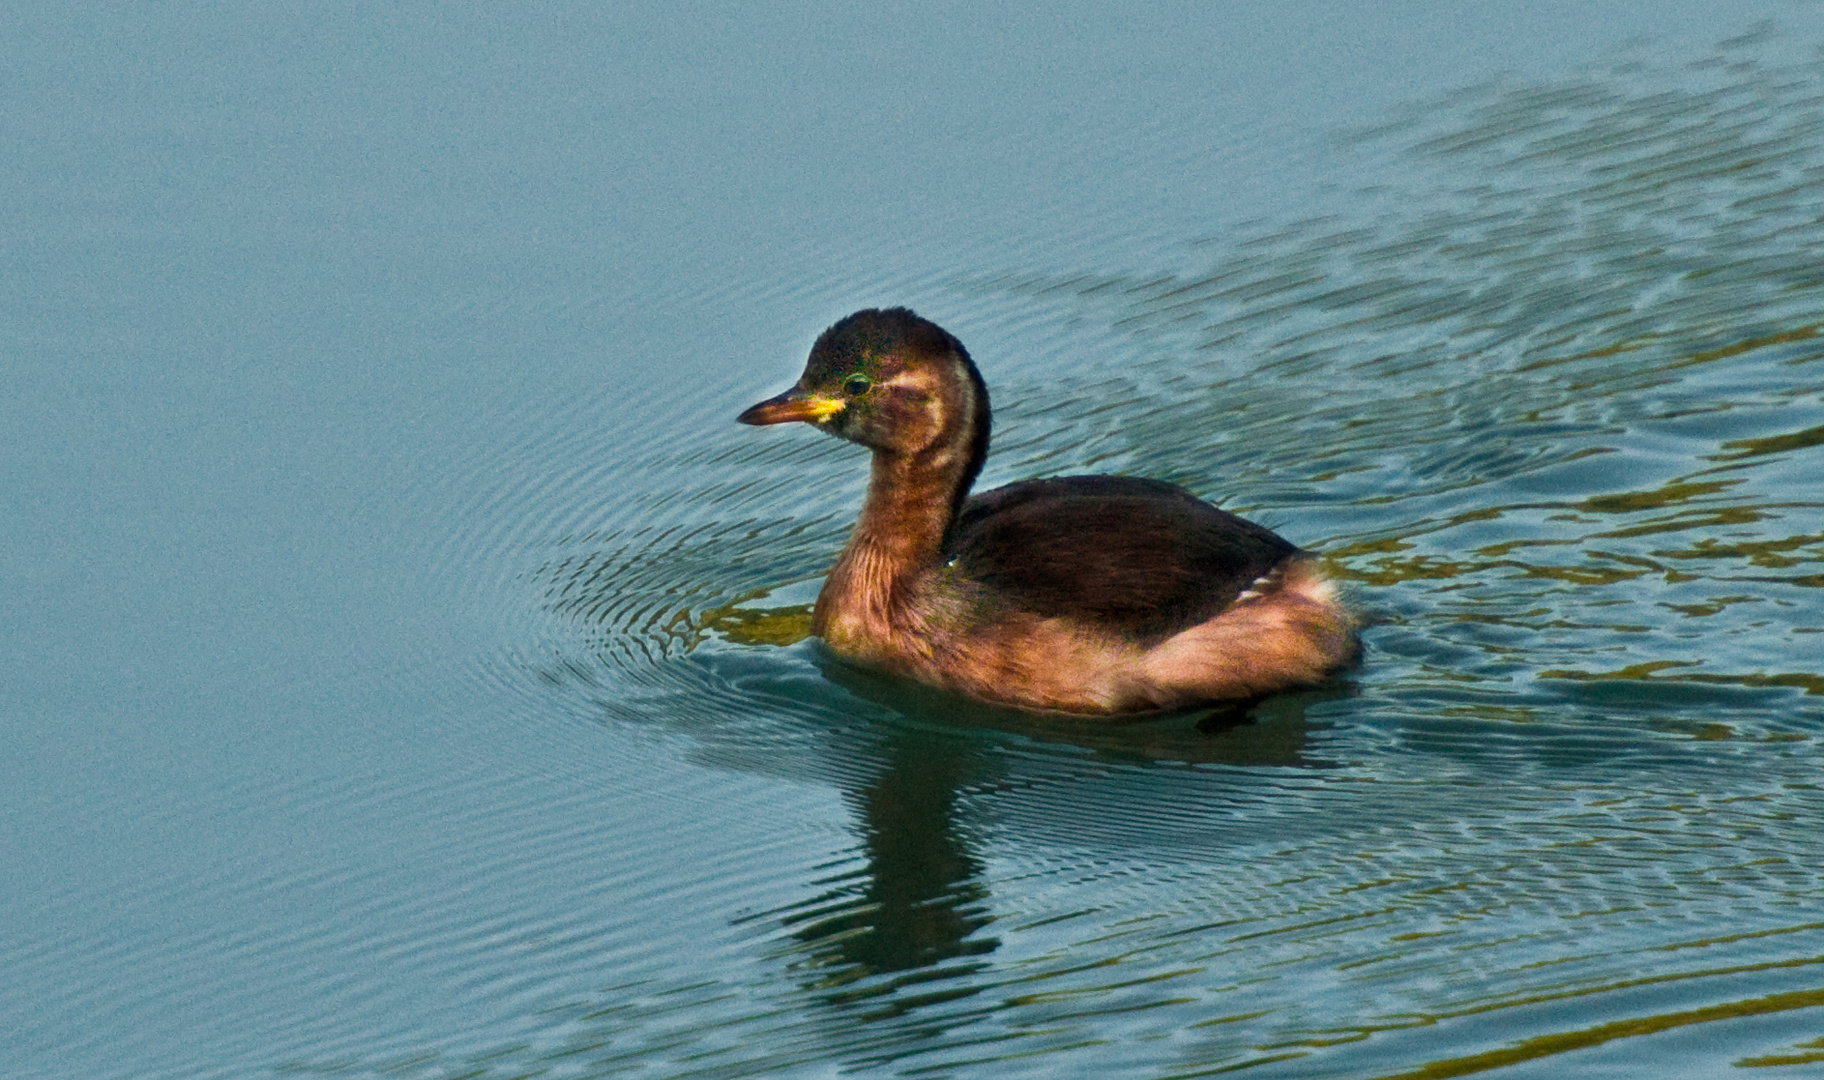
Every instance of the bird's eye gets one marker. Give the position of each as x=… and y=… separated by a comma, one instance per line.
x=857, y=385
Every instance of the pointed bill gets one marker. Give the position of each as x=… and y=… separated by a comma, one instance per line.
x=794, y=404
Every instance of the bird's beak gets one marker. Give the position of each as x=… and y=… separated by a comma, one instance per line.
x=794, y=404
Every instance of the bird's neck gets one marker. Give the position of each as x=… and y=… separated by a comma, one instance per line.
x=912, y=500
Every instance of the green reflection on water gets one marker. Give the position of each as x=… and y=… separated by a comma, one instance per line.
x=1648, y=672
x=1564, y=1042
x=1553, y=427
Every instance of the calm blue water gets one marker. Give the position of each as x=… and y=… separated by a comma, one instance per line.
x=401, y=659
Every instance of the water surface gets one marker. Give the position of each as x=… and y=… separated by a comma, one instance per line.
x=405, y=666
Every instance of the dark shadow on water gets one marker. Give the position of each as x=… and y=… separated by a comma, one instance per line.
x=907, y=928
x=919, y=901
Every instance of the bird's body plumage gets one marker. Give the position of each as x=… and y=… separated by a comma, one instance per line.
x=1084, y=594
x=1167, y=560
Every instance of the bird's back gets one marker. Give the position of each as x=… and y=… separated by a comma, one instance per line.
x=1143, y=559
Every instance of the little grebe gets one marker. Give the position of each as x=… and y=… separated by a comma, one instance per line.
x=1082, y=594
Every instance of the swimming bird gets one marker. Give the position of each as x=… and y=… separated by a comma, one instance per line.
x=1076, y=594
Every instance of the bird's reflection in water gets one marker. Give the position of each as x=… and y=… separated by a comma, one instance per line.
x=907, y=928
x=919, y=900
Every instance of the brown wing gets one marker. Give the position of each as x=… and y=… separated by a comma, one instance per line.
x=1141, y=557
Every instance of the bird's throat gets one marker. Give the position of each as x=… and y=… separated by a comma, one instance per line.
x=899, y=535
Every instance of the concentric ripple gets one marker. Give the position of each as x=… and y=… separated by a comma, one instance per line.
x=1553, y=410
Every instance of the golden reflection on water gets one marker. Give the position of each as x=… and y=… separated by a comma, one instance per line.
x=742, y=625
